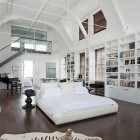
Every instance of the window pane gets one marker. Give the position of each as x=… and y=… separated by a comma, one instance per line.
x=50, y=70
x=41, y=46
x=99, y=22
x=85, y=25
x=15, y=45
x=100, y=64
x=28, y=69
x=82, y=65
x=28, y=46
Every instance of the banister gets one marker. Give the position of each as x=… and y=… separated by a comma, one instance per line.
x=10, y=44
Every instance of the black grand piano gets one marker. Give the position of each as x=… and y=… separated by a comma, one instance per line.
x=8, y=79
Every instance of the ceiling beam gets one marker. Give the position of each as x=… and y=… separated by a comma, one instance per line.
x=81, y=26
x=42, y=7
x=7, y=19
x=36, y=10
x=10, y=6
x=120, y=17
x=71, y=12
x=65, y=8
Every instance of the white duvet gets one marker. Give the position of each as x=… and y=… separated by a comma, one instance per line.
x=59, y=105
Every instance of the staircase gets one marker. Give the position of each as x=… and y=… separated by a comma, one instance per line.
x=10, y=58
x=6, y=54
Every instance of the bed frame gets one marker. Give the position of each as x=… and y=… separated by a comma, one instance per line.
x=81, y=115
x=78, y=115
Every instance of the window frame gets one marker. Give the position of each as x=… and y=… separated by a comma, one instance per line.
x=98, y=22
x=81, y=35
x=101, y=65
x=82, y=64
x=50, y=69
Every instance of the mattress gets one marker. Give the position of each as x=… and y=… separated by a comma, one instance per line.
x=63, y=109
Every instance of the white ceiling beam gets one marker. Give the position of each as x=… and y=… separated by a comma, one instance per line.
x=7, y=19
x=65, y=8
x=10, y=6
x=81, y=26
x=71, y=11
x=36, y=10
x=16, y=17
x=42, y=7
x=120, y=17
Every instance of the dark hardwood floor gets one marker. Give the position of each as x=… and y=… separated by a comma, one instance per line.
x=125, y=125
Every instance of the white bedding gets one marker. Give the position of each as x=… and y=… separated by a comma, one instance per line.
x=61, y=105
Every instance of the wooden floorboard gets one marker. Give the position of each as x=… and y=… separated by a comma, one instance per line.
x=125, y=125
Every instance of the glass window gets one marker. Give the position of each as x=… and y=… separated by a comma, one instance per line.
x=82, y=65
x=99, y=22
x=29, y=46
x=85, y=25
x=100, y=64
x=50, y=70
x=41, y=46
x=28, y=68
x=33, y=41
x=15, y=45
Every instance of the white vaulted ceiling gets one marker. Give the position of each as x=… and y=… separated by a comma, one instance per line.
x=46, y=15
x=40, y=11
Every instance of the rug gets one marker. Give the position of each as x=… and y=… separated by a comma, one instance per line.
x=69, y=135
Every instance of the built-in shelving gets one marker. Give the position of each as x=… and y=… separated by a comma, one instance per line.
x=70, y=66
x=123, y=78
x=127, y=61
x=87, y=67
x=112, y=63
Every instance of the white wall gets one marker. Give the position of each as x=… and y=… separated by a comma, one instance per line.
x=5, y=39
x=121, y=19
x=39, y=63
x=130, y=11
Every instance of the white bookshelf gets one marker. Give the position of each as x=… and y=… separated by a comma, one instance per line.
x=70, y=66
x=87, y=66
x=127, y=61
x=111, y=63
x=123, y=68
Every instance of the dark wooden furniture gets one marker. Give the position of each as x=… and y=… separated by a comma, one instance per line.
x=8, y=81
x=96, y=86
x=28, y=100
x=16, y=85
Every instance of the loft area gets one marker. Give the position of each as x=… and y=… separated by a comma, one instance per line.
x=31, y=45
x=17, y=31
x=94, y=48
x=30, y=40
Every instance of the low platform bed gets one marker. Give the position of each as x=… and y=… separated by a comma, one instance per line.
x=77, y=105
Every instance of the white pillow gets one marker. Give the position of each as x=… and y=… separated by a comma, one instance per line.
x=80, y=92
x=48, y=85
x=75, y=84
x=66, y=87
x=55, y=91
x=80, y=88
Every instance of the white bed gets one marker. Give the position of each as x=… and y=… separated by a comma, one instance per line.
x=68, y=108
